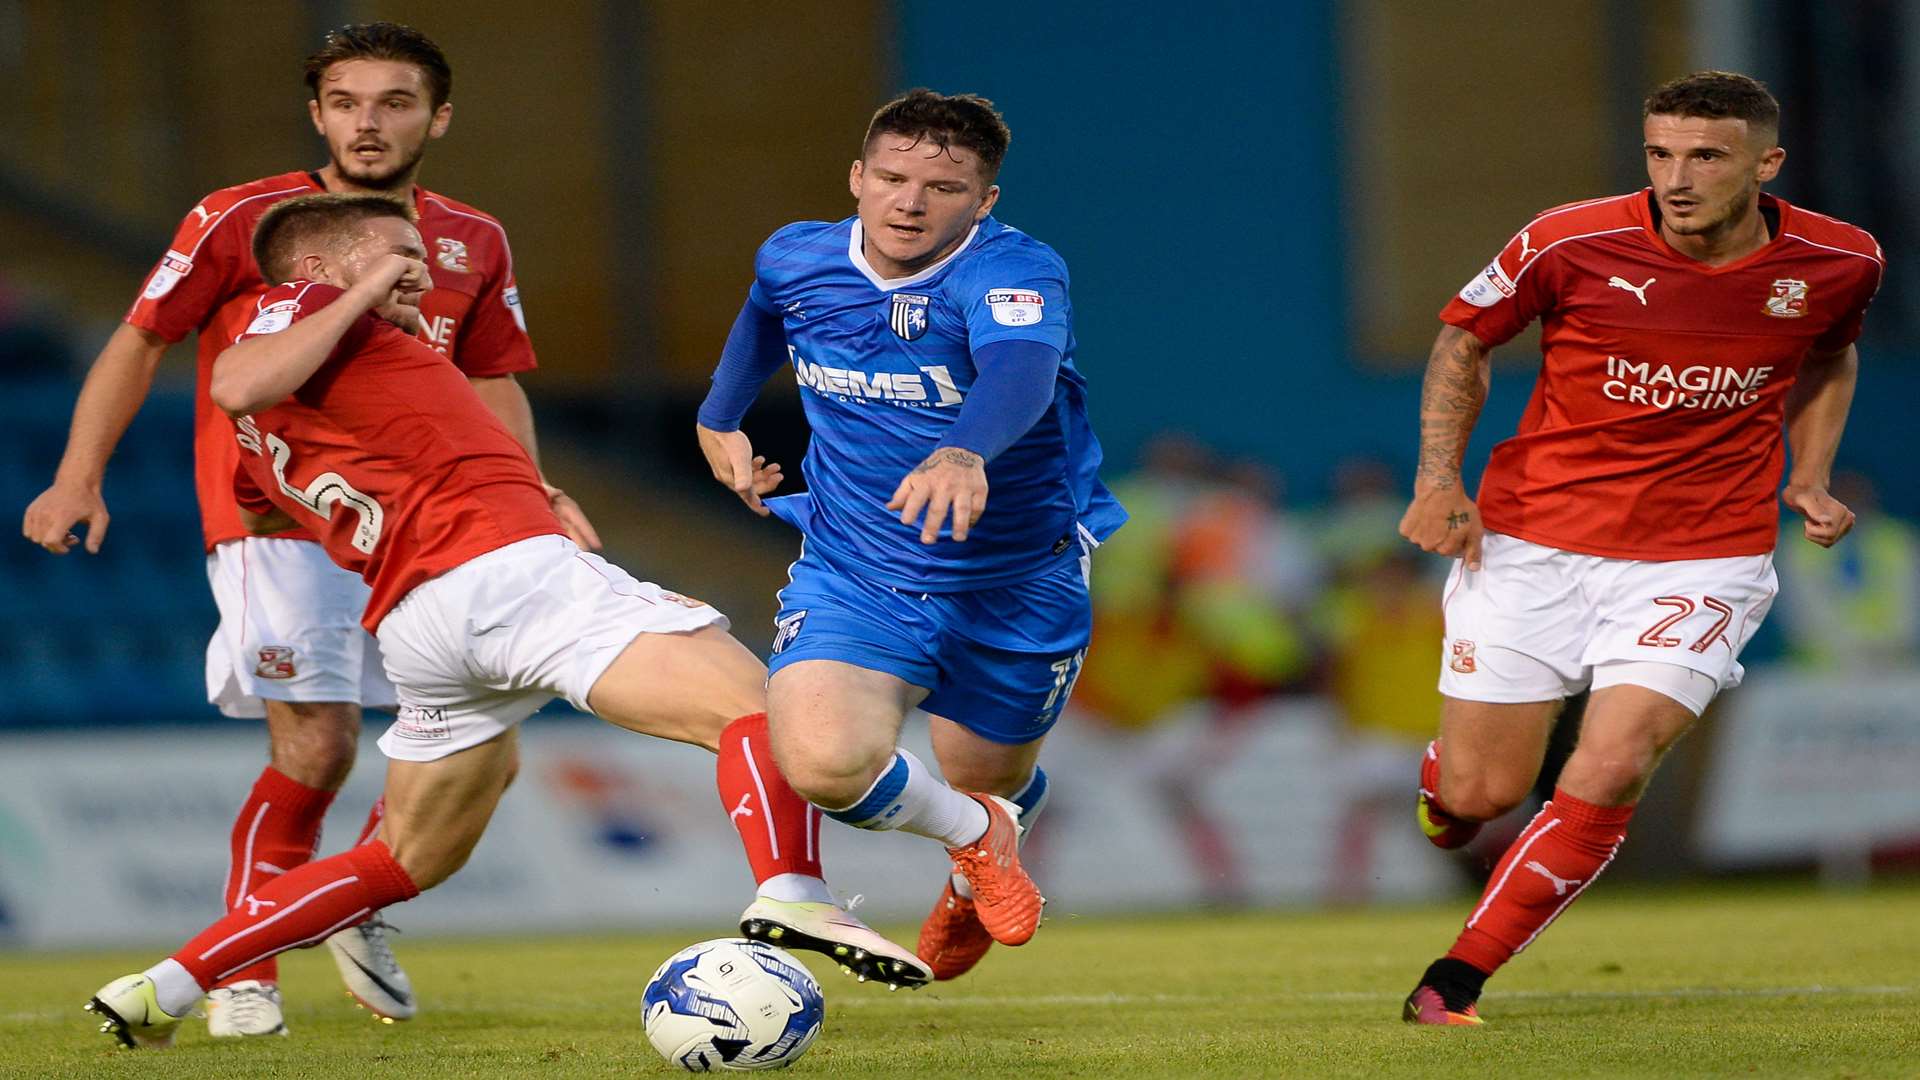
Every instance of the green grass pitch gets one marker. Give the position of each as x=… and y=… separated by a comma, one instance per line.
x=1751, y=980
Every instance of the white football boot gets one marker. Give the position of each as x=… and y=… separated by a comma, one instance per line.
x=372, y=975
x=130, y=1011
x=244, y=1009
x=832, y=930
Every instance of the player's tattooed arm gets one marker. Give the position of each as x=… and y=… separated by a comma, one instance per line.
x=949, y=480
x=1441, y=518
x=1455, y=387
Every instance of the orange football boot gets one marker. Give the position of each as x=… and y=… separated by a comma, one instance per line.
x=1005, y=899
x=952, y=940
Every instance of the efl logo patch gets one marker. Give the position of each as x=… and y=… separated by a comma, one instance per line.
x=275, y=662
x=787, y=629
x=512, y=296
x=173, y=266
x=1488, y=287
x=908, y=316
x=422, y=724
x=1462, y=661
x=273, y=320
x=1016, y=307
x=683, y=601
x=1788, y=299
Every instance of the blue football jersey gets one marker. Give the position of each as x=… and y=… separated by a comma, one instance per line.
x=884, y=367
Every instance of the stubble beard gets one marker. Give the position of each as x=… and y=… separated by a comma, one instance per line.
x=393, y=179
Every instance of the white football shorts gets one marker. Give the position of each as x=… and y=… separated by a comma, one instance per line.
x=483, y=646
x=1536, y=623
x=289, y=629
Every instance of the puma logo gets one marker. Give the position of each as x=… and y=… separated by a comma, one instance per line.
x=1526, y=245
x=1639, y=291
x=742, y=810
x=254, y=906
x=205, y=215
x=1559, y=883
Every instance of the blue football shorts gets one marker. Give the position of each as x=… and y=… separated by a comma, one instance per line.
x=1000, y=662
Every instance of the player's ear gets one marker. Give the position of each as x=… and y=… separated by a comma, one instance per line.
x=313, y=114
x=986, y=204
x=1770, y=163
x=442, y=118
x=853, y=178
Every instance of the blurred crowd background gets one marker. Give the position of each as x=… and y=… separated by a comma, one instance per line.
x=1263, y=206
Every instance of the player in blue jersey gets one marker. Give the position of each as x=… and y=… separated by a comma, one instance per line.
x=952, y=507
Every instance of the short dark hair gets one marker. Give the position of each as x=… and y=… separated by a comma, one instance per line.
x=1717, y=95
x=965, y=120
x=384, y=41
x=290, y=225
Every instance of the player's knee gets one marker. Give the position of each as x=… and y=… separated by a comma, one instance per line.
x=1613, y=769
x=833, y=782
x=315, y=743
x=1482, y=798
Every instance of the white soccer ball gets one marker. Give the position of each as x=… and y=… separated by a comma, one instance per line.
x=732, y=1004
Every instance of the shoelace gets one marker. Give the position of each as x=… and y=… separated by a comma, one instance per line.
x=249, y=1006
x=986, y=889
x=375, y=931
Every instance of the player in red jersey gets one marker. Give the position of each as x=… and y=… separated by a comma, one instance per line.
x=484, y=609
x=1622, y=539
x=289, y=646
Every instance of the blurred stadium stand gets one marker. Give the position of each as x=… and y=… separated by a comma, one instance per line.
x=1262, y=211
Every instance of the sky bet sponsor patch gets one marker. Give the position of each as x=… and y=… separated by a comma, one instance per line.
x=1015, y=307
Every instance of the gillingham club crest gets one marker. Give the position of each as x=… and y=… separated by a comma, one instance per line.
x=1788, y=299
x=909, y=316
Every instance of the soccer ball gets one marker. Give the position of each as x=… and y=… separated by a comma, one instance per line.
x=732, y=1004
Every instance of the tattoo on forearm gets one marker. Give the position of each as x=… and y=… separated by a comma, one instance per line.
x=966, y=459
x=1450, y=398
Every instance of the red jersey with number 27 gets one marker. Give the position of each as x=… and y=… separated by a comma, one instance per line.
x=1655, y=428
x=386, y=454
x=207, y=282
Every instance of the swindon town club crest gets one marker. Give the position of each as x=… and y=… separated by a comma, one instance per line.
x=1788, y=299
x=909, y=316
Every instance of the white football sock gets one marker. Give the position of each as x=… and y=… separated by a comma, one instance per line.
x=908, y=797
x=796, y=889
x=174, y=987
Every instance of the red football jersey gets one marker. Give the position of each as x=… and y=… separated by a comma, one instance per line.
x=1655, y=428
x=386, y=454
x=207, y=282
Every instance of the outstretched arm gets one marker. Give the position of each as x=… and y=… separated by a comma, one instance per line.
x=755, y=349
x=1817, y=408
x=1441, y=518
x=116, y=386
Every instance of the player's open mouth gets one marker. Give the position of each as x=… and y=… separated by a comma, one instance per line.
x=1681, y=206
x=369, y=150
x=906, y=232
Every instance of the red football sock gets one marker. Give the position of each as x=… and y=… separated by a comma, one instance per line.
x=300, y=907
x=277, y=830
x=779, y=829
x=374, y=817
x=1548, y=866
